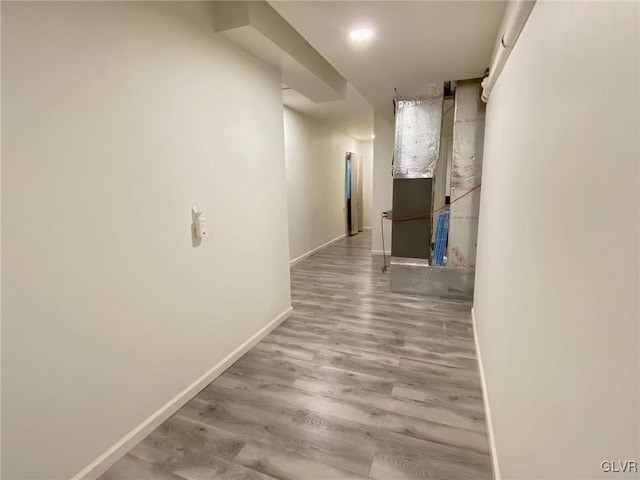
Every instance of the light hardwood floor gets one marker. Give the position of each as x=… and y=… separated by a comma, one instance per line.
x=358, y=383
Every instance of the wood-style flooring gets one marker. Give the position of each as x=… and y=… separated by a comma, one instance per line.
x=358, y=383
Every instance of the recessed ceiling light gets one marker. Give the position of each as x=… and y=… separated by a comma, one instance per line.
x=361, y=34
x=373, y=136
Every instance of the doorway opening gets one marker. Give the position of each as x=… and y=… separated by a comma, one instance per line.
x=354, y=193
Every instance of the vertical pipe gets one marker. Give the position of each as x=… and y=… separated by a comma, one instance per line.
x=514, y=20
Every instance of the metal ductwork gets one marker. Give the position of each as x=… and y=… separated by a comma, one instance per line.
x=417, y=134
x=466, y=173
x=418, y=124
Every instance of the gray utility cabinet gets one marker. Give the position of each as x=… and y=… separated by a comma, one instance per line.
x=412, y=238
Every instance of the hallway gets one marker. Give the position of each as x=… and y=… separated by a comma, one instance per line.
x=358, y=382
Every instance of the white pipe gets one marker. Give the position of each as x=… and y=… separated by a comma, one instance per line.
x=513, y=22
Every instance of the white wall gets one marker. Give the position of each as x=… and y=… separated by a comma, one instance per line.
x=116, y=117
x=383, y=146
x=316, y=165
x=366, y=150
x=556, y=302
x=1, y=354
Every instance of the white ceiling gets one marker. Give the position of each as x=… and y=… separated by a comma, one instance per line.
x=414, y=42
x=353, y=116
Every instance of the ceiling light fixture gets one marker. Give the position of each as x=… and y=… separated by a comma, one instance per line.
x=361, y=34
x=373, y=136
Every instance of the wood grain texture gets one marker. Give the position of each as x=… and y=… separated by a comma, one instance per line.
x=358, y=383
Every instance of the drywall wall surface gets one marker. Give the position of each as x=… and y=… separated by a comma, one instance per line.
x=116, y=118
x=383, y=145
x=556, y=294
x=0, y=252
x=366, y=151
x=316, y=181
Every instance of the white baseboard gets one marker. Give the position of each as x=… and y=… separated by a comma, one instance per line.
x=485, y=400
x=121, y=447
x=379, y=252
x=367, y=228
x=317, y=249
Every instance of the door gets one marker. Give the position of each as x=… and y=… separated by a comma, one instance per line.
x=354, y=188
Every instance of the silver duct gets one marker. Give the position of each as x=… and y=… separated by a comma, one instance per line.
x=466, y=173
x=418, y=124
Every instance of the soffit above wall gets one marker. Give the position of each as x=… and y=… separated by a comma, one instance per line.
x=257, y=28
x=353, y=115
